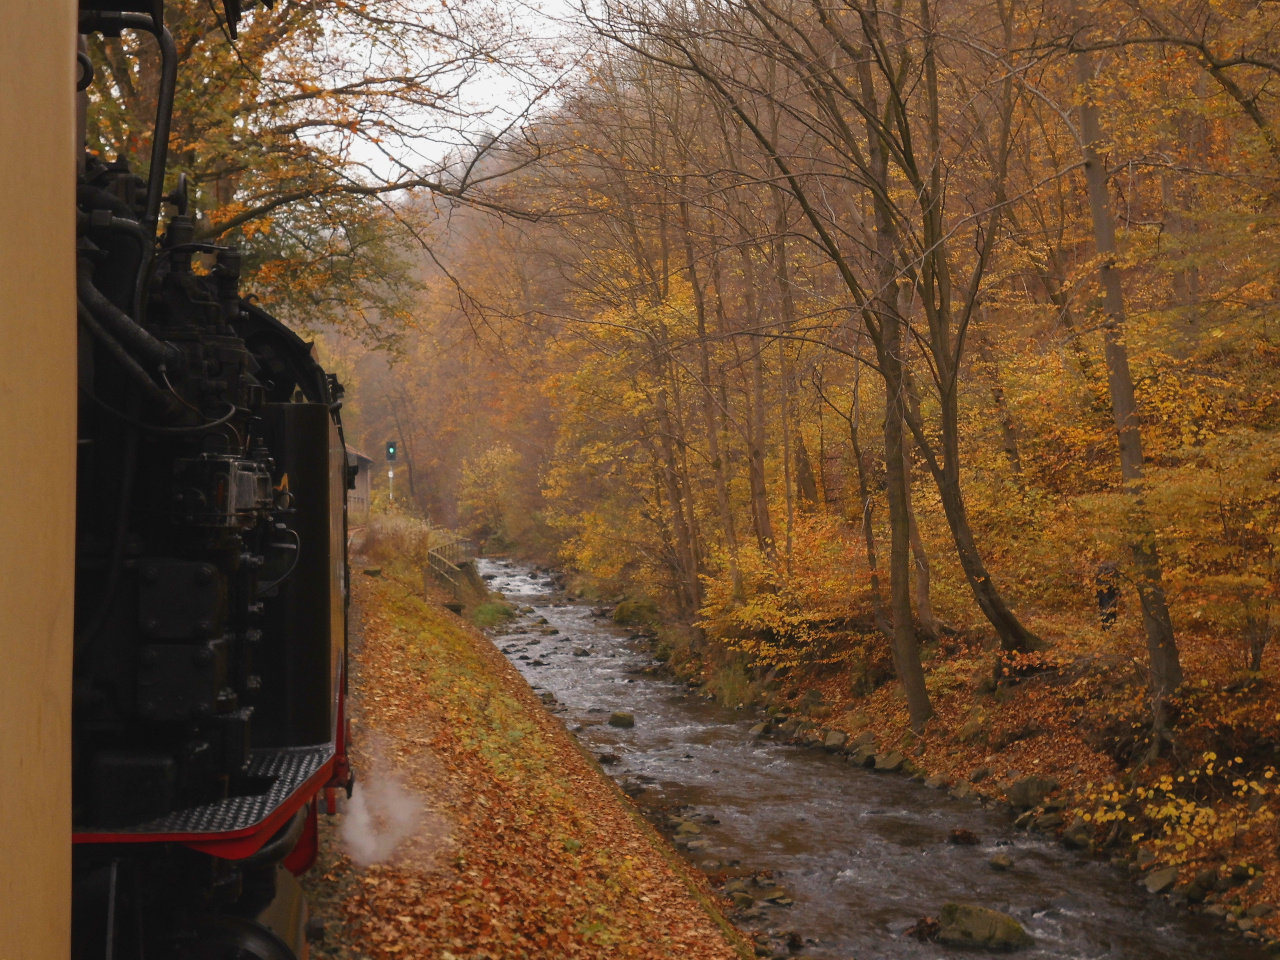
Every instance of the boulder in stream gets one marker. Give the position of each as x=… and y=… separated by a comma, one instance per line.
x=620, y=719
x=865, y=738
x=968, y=925
x=864, y=756
x=1078, y=834
x=835, y=739
x=890, y=762
x=1158, y=881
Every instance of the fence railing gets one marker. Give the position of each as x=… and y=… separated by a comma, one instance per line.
x=446, y=552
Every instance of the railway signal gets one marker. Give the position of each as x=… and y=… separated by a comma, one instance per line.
x=392, y=447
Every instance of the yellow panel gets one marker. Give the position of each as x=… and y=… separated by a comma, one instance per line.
x=37, y=487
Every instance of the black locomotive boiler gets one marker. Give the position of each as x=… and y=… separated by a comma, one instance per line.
x=211, y=577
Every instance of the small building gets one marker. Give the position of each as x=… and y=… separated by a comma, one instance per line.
x=358, y=495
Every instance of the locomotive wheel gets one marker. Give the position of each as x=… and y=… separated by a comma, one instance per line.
x=234, y=938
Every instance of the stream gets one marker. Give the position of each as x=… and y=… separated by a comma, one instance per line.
x=862, y=855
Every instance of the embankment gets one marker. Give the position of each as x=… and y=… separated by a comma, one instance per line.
x=522, y=848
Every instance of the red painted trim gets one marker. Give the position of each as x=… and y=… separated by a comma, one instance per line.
x=231, y=844
x=303, y=855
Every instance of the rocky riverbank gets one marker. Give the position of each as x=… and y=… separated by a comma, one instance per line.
x=1230, y=876
x=815, y=854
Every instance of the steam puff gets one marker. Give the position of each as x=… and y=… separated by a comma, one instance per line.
x=380, y=815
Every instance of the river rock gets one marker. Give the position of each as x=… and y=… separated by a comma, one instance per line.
x=936, y=782
x=1078, y=834
x=835, y=739
x=581, y=652
x=964, y=837
x=1048, y=821
x=864, y=756
x=967, y=925
x=865, y=738
x=1001, y=862
x=1029, y=791
x=742, y=900
x=962, y=790
x=776, y=895
x=736, y=885
x=1158, y=881
x=622, y=719
x=890, y=762
x=686, y=828
x=1259, y=910
x=760, y=729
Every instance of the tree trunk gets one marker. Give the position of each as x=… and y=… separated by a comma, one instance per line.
x=1166, y=668
x=906, y=649
x=709, y=418
x=1008, y=428
x=806, y=482
x=920, y=568
x=868, y=526
x=686, y=557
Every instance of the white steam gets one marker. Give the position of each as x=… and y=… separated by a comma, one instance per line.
x=380, y=815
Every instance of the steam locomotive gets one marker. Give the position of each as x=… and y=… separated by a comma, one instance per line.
x=208, y=722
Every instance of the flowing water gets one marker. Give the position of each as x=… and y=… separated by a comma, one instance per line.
x=863, y=855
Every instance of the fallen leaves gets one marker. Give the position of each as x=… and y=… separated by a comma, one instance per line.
x=541, y=858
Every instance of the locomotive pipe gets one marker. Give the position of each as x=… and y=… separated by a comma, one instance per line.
x=92, y=197
x=140, y=344
x=97, y=200
x=131, y=366
x=164, y=105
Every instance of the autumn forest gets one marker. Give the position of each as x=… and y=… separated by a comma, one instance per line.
x=913, y=364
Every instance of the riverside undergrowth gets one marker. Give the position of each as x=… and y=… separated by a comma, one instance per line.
x=1077, y=714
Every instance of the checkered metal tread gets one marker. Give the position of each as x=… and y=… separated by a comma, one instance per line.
x=288, y=768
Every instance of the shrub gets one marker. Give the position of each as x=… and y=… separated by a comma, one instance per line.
x=491, y=613
x=642, y=610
